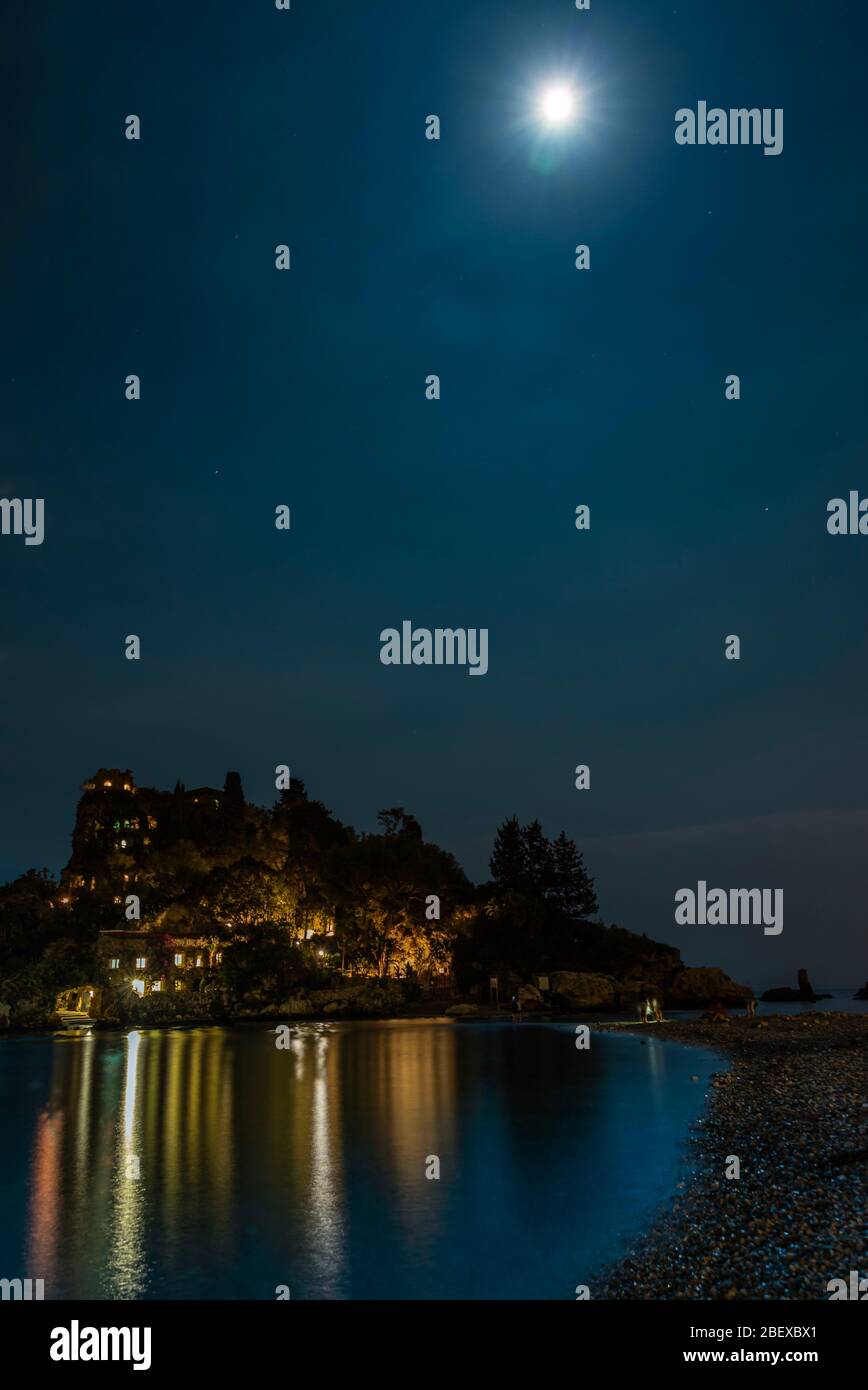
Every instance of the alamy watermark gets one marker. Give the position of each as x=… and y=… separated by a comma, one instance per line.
x=77, y=1343
x=721, y=907
x=847, y=516
x=855, y=1288
x=27, y=1290
x=737, y=126
x=440, y=646
x=23, y=516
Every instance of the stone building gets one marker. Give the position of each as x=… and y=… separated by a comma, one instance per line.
x=118, y=825
x=149, y=962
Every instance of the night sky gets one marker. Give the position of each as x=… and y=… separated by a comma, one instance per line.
x=559, y=387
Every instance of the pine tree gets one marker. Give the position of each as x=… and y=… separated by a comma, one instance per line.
x=508, y=862
x=573, y=886
x=538, y=860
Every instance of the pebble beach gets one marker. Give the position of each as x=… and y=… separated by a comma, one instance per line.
x=791, y=1102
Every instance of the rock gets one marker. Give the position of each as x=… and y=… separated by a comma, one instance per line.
x=860, y=994
x=785, y=995
x=296, y=1005
x=578, y=990
x=698, y=985
x=33, y=1013
x=715, y=1013
x=369, y=999
x=462, y=1010
x=5, y=1014
x=529, y=998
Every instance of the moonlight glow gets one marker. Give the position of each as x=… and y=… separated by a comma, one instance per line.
x=557, y=104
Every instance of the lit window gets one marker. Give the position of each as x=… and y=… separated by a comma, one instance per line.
x=179, y=984
x=217, y=957
x=114, y=963
x=141, y=962
x=179, y=958
x=118, y=900
x=116, y=825
x=123, y=844
x=156, y=986
x=106, y=784
x=198, y=961
x=127, y=786
x=139, y=986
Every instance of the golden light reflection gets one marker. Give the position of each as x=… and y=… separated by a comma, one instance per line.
x=45, y=1197
x=175, y=1161
x=327, y=1226
x=126, y=1268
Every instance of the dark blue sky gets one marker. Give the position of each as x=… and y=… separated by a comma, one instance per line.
x=558, y=387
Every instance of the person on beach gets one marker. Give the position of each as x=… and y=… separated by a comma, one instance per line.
x=640, y=1009
x=751, y=1007
x=658, y=1012
x=649, y=1011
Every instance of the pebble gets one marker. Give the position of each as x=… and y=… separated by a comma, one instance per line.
x=792, y=1101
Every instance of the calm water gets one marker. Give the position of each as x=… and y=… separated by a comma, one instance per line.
x=208, y=1164
x=842, y=1001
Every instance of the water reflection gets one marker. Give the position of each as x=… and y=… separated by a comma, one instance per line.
x=125, y=1275
x=210, y=1163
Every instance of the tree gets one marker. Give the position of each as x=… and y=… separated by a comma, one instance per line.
x=573, y=889
x=297, y=841
x=382, y=884
x=397, y=822
x=26, y=913
x=508, y=862
x=262, y=966
x=243, y=895
x=538, y=861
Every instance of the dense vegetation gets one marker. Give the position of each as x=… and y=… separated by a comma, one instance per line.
x=301, y=898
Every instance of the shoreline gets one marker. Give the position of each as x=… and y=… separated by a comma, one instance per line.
x=422, y=1014
x=599, y=1020
x=792, y=1106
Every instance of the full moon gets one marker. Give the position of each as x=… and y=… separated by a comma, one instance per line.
x=557, y=105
